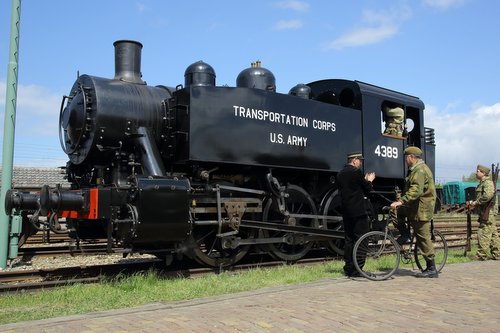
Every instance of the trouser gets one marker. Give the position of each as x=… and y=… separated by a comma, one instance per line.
x=488, y=241
x=422, y=230
x=399, y=222
x=354, y=228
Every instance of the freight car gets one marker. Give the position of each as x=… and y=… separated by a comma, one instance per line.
x=457, y=193
x=211, y=172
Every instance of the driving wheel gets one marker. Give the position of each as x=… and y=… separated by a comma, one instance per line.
x=292, y=246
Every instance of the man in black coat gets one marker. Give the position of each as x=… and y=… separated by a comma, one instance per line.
x=353, y=188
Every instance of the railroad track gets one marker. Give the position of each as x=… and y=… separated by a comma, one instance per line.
x=50, y=278
x=33, y=280
x=59, y=249
x=453, y=227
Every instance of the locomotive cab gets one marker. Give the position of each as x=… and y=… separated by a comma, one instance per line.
x=383, y=150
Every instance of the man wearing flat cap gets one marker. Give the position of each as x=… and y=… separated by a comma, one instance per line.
x=353, y=188
x=486, y=206
x=394, y=120
x=419, y=199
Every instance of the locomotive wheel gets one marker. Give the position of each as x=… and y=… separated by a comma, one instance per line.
x=331, y=207
x=297, y=202
x=208, y=249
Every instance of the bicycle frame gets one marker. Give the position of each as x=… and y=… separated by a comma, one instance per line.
x=381, y=247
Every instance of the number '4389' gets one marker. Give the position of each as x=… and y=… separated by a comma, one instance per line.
x=386, y=151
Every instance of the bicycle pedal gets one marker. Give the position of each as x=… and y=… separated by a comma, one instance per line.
x=406, y=256
x=406, y=260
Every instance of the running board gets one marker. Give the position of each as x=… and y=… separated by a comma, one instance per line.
x=292, y=228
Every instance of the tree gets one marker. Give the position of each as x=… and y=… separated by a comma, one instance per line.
x=471, y=178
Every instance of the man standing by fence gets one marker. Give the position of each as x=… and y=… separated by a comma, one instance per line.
x=486, y=206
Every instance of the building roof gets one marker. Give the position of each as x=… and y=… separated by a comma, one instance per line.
x=33, y=178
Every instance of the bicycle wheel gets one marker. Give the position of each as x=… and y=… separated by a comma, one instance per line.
x=440, y=251
x=376, y=255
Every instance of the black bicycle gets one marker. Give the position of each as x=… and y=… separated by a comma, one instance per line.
x=377, y=255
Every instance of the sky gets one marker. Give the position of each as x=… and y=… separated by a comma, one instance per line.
x=446, y=52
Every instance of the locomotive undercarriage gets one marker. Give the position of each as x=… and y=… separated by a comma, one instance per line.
x=217, y=223
x=230, y=220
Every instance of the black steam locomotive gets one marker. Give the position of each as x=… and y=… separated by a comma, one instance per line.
x=213, y=171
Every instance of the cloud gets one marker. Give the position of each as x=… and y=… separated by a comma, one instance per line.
x=464, y=139
x=296, y=5
x=37, y=119
x=159, y=22
x=377, y=26
x=33, y=99
x=288, y=24
x=37, y=109
x=362, y=36
x=141, y=7
x=37, y=100
x=443, y=4
x=395, y=15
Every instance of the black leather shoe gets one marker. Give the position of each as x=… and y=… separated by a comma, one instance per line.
x=428, y=273
x=354, y=274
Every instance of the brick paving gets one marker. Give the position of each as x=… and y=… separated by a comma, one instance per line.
x=465, y=298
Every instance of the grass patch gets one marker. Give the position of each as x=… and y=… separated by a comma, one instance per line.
x=143, y=288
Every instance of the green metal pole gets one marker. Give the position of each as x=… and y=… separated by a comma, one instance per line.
x=9, y=128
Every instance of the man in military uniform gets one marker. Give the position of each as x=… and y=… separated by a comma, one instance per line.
x=394, y=118
x=486, y=206
x=353, y=188
x=419, y=199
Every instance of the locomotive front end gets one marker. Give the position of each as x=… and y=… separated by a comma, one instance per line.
x=103, y=120
x=111, y=130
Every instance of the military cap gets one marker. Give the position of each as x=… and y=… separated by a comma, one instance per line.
x=413, y=151
x=357, y=155
x=484, y=169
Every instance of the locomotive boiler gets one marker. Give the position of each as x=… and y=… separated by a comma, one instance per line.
x=211, y=172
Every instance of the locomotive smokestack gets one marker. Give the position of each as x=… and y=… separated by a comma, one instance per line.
x=128, y=61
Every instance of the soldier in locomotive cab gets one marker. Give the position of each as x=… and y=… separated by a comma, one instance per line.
x=394, y=120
